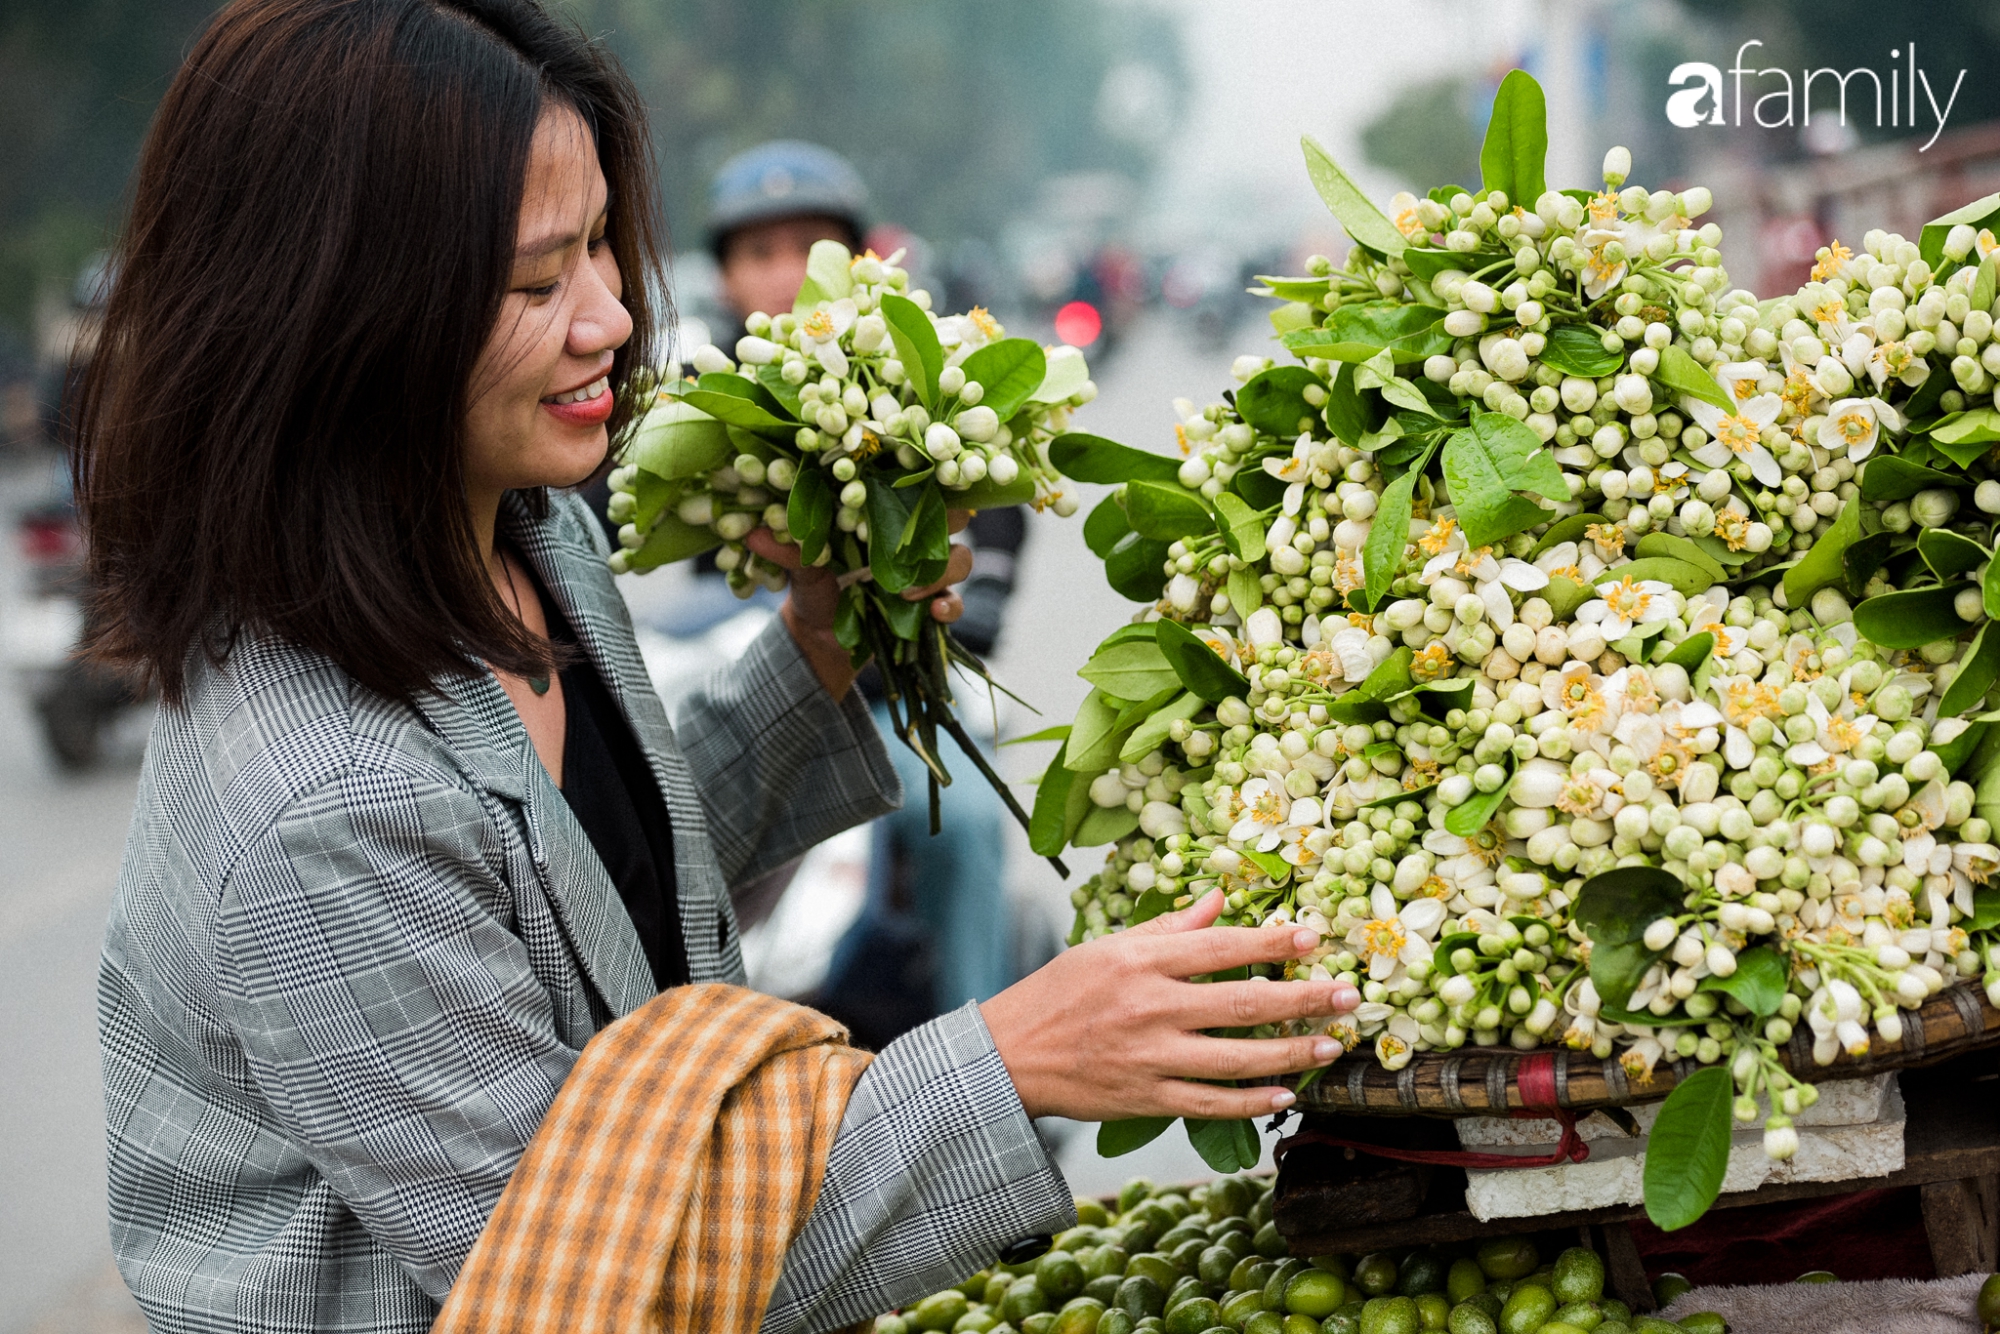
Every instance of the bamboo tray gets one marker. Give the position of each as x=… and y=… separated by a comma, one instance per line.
x=1486, y=1081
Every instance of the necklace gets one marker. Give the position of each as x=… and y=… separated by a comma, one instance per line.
x=538, y=684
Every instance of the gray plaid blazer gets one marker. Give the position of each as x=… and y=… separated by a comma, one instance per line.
x=356, y=947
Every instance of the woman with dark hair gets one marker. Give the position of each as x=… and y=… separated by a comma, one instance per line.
x=423, y=891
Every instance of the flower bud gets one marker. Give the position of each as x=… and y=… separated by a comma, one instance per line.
x=1934, y=508
x=1633, y=393
x=1661, y=933
x=1617, y=166
x=941, y=442
x=978, y=424
x=709, y=360
x=756, y=351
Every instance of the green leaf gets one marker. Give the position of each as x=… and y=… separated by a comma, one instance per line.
x=1136, y=567
x=1983, y=285
x=752, y=389
x=1009, y=371
x=1198, y=666
x=1153, y=903
x=829, y=276
x=772, y=377
x=1822, y=565
x=1478, y=810
x=809, y=512
x=1517, y=140
x=917, y=346
x=1692, y=652
x=1687, y=1153
x=1226, y=1146
x=678, y=440
x=1274, y=401
x=1294, y=289
x=1060, y=732
x=1979, y=213
x=1149, y=735
x=1105, y=824
x=1950, y=554
x=1427, y=263
x=1090, y=749
x=1486, y=464
x=1246, y=594
x=1682, y=374
x=1115, y=1139
x=1576, y=349
x=1357, y=332
x=1132, y=669
x=1683, y=550
x=1989, y=592
x=1103, y=527
x=1960, y=748
x=1166, y=510
x=736, y=410
x=1388, y=539
x=1912, y=619
x=1048, y=831
x=1886, y=477
x=1092, y=458
x=1985, y=911
x=1242, y=527
x=1686, y=579
x=651, y=495
x=1964, y=437
x=1067, y=372
x=1759, y=980
x=1347, y=414
x=1976, y=674
x=888, y=516
x=672, y=540
x=1566, y=530
x=1350, y=208
x=1614, y=909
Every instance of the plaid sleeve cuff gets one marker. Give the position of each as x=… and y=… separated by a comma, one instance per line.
x=936, y=1169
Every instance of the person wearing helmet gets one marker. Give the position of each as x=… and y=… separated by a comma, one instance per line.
x=766, y=208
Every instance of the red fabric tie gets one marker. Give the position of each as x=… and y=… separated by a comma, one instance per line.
x=1536, y=1077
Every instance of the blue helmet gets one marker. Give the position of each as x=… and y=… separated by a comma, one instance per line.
x=785, y=178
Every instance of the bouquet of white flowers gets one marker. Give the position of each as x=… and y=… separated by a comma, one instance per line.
x=852, y=425
x=1505, y=639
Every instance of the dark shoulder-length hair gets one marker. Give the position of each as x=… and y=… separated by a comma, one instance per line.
x=272, y=432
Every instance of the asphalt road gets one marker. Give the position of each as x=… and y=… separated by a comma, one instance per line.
x=62, y=838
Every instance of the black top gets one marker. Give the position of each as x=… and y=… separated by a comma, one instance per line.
x=611, y=791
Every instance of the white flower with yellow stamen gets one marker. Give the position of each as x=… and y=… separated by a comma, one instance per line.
x=1835, y=733
x=821, y=331
x=1627, y=605
x=1855, y=424
x=1403, y=212
x=1270, y=814
x=1704, y=616
x=1739, y=435
x=1293, y=470
x=1490, y=576
x=1395, y=937
x=1895, y=361
x=1579, y=694
x=1739, y=379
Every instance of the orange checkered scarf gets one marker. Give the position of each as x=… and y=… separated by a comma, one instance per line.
x=663, y=1189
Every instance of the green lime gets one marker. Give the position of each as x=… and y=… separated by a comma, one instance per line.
x=1260, y=1212
x=1185, y=1289
x=1250, y=1272
x=1079, y=1316
x=891, y=1324
x=1297, y=1324
x=1667, y=1287
x=1215, y=1266
x=1175, y=1203
x=1187, y=1255
x=940, y=1310
x=1586, y=1316
x=1488, y=1302
x=1234, y=1238
x=1704, y=1322
x=1141, y=1295
x=1060, y=1276
x=1818, y=1276
x=1042, y=1322
x=1268, y=1243
x=1025, y=1298
x=1240, y=1305
x=1421, y=1272
x=1333, y=1264
x=996, y=1288
x=1390, y=1315
x=1989, y=1303
x=1646, y=1324
x=1467, y=1318
x=1508, y=1257
x=1579, y=1276
x=1561, y=1327
x=1614, y=1327
x=1375, y=1274
x=1527, y=1310
x=1347, y=1320
x=1092, y=1213
x=1463, y=1279
x=1193, y=1316
x=975, y=1322
x=1101, y=1260
x=1615, y=1310
x=1104, y=1288
x=1434, y=1312
x=1228, y=1197
x=1316, y=1293
x=974, y=1288
x=1499, y=1290
x=1274, y=1286
x=1264, y=1322
x=1155, y=1266
x=1134, y=1193
x=1114, y=1321
x=1079, y=1238
x=1179, y=1234
x=1152, y=1324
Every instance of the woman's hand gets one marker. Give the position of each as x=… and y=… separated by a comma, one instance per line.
x=815, y=596
x=1111, y=1029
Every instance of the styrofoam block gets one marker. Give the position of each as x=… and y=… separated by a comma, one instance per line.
x=1615, y=1171
x=1842, y=1102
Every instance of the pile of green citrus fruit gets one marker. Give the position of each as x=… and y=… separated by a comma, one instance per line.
x=1209, y=1260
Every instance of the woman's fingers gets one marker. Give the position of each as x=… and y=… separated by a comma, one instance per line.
x=1220, y=948
x=955, y=571
x=1247, y=1004
x=957, y=519
x=1210, y=1102
x=766, y=544
x=1202, y=912
x=1195, y=1057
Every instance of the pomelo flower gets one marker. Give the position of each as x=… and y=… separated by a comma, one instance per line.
x=1270, y=814
x=1855, y=424
x=1836, y=734
x=1396, y=937
x=1627, y=605
x=821, y=331
x=1739, y=435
